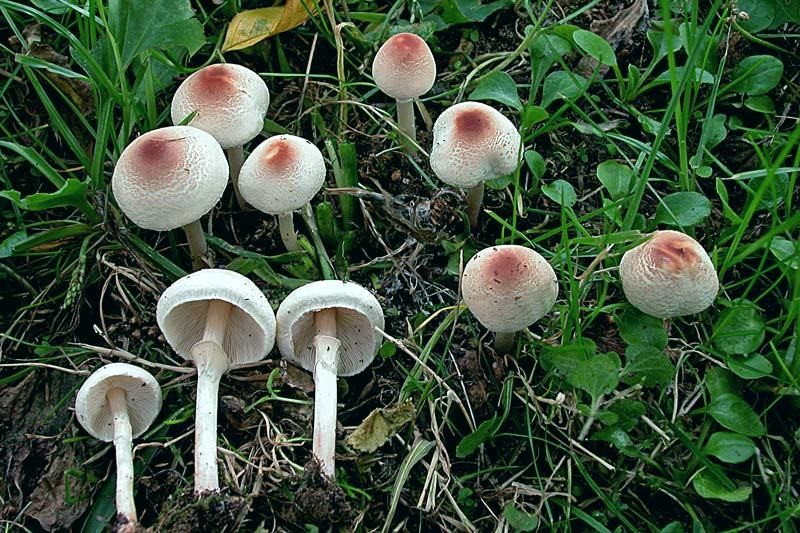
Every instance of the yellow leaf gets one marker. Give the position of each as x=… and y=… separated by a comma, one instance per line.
x=380, y=425
x=254, y=25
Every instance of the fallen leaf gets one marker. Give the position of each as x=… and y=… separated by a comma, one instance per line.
x=379, y=426
x=252, y=26
x=617, y=31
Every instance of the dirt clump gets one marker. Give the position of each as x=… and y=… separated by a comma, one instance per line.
x=319, y=500
x=211, y=512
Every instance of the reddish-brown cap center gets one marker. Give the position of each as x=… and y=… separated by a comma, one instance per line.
x=279, y=155
x=472, y=125
x=405, y=48
x=673, y=253
x=215, y=83
x=505, y=269
x=156, y=158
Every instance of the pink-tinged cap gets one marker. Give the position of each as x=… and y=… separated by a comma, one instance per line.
x=509, y=287
x=230, y=102
x=669, y=275
x=473, y=142
x=170, y=177
x=404, y=67
x=282, y=174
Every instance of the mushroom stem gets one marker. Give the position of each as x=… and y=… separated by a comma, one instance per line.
x=474, y=201
x=123, y=444
x=288, y=235
x=405, y=120
x=235, y=162
x=504, y=341
x=211, y=362
x=197, y=245
x=326, y=349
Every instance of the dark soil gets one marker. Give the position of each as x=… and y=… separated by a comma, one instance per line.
x=211, y=512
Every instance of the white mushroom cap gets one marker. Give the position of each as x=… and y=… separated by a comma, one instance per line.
x=509, y=287
x=669, y=275
x=282, y=174
x=358, y=313
x=170, y=177
x=473, y=142
x=404, y=67
x=141, y=390
x=230, y=102
x=249, y=331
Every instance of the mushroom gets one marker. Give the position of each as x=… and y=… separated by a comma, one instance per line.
x=473, y=143
x=669, y=275
x=282, y=175
x=508, y=288
x=329, y=328
x=230, y=102
x=219, y=320
x=404, y=69
x=169, y=178
x=117, y=403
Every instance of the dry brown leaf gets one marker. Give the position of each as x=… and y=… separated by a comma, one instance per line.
x=380, y=425
x=252, y=26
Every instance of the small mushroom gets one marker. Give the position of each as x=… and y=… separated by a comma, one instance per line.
x=230, y=102
x=329, y=328
x=117, y=403
x=473, y=143
x=669, y=275
x=169, y=178
x=217, y=319
x=404, y=69
x=508, y=288
x=281, y=176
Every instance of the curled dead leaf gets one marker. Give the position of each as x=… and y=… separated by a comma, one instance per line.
x=254, y=25
x=379, y=426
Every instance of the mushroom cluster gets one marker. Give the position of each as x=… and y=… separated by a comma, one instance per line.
x=219, y=320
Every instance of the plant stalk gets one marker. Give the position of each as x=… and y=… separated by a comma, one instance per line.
x=326, y=350
x=405, y=120
x=235, y=162
x=197, y=245
x=123, y=445
x=288, y=234
x=211, y=362
x=474, y=201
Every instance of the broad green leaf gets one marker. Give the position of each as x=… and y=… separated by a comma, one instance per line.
x=565, y=359
x=700, y=76
x=760, y=104
x=715, y=130
x=141, y=25
x=708, y=487
x=598, y=375
x=536, y=163
x=756, y=75
x=658, y=41
x=499, y=87
x=8, y=244
x=531, y=115
x=760, y=14
x=731, y=412
x=72, y=194
x=730, y=447
x=615, y=436
x=487, y=428
x=380, y=425
x=752, y=366
x=615, y=177
x=545, y=50
x=683, y=209
x=720, y=381
x=254, y=25
x=740, y=329
x=629, y=413
x=560, y=85
x=785, y=251
x=561, y=192
x=461, y=11
x=636, y=327
x=595, y=46
x=518, y=519
x=647, y=365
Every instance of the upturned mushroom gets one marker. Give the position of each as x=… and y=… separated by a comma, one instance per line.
x=329, y=328
x=117, y=403
x=508, y=288
x=404, y=69
x=281, y=176
x=169, y=178
x=669, y=275
x=473, y=143
x=217, y=319
x=230, y=102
